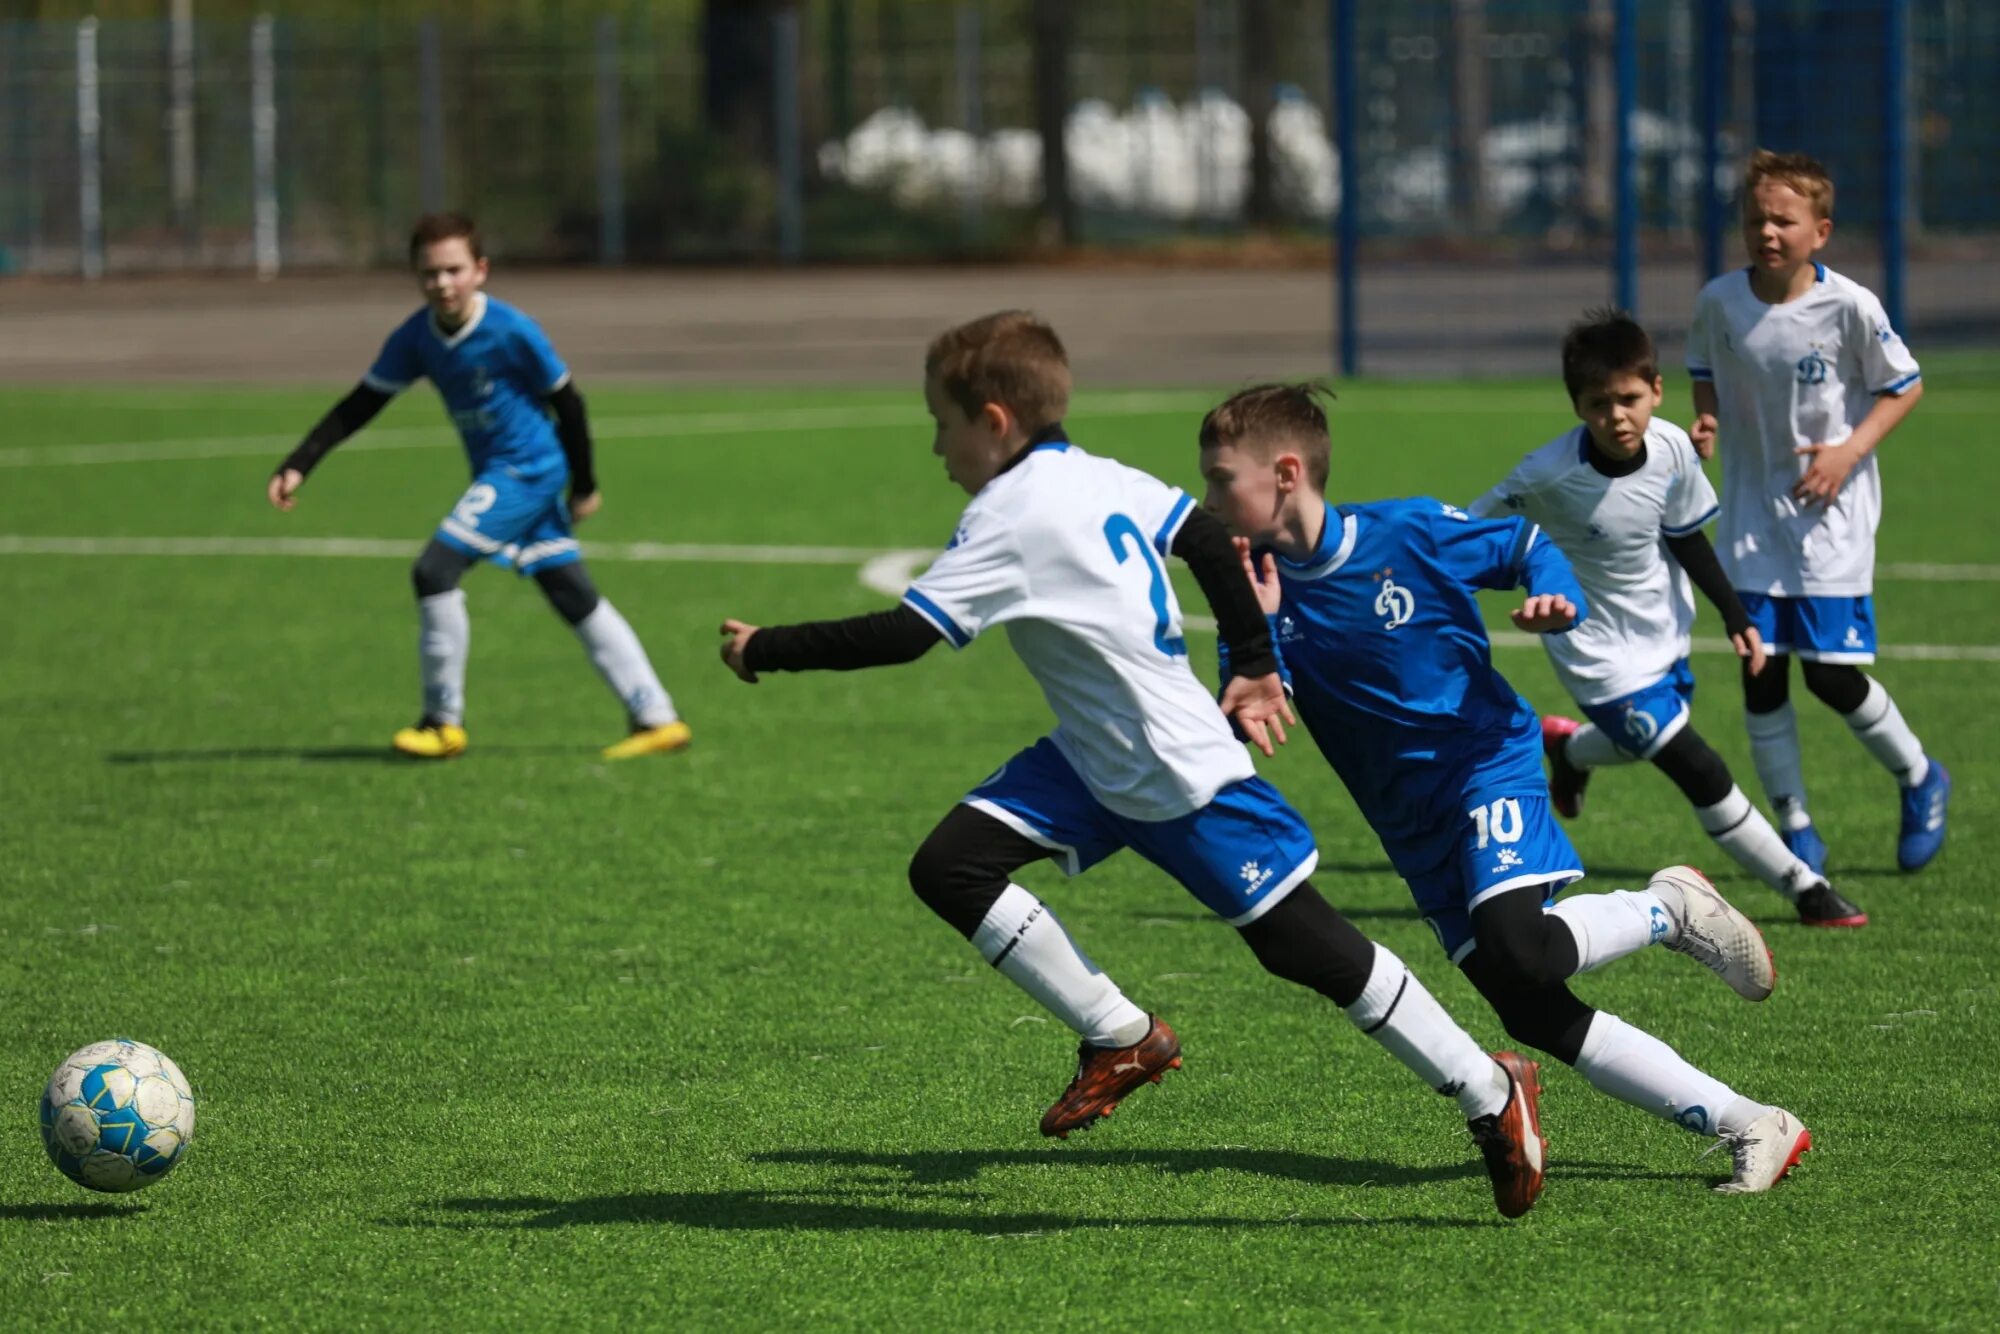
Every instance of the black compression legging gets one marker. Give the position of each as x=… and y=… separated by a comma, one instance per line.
x=964, y=866
x=569, y=589
x=1521, y=963
x=1840, y=686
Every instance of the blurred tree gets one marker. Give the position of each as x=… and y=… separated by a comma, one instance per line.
x=1054, y=31
x=737, y=72
x=1260, y=76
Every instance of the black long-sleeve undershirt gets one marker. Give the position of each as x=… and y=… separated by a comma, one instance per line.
x=1204, y=543
x=1698, y=558
x=884, y=638
x=344, y=419
x=573, y=433
x=363, y=402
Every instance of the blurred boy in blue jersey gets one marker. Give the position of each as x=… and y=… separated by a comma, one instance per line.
x=1376, y=622
x=526, y=437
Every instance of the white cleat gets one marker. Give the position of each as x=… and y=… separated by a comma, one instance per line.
x=1768, y=1148
x=1713, y=934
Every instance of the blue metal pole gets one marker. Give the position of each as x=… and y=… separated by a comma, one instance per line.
x=1714, y=80
x=1347, y=217
x=1895, y=154
x=1626, y=256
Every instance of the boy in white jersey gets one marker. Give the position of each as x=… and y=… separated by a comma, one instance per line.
x=525, y=433
x=1625, y=498
x=1799, y=376
x=1068, y=551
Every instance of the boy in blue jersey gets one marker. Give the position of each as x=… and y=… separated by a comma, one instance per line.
x=1376, y=621
x=1799, y=376
x=1065, y=552
x=527, y=438
x=1625, y=498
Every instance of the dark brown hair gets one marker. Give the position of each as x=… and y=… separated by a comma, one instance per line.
x=1804, y=174
x=1012, y=358
x=1270, y=417
x=435, y=227
x=1604, y=343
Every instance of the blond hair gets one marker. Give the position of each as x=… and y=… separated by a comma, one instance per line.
x=1800, y=172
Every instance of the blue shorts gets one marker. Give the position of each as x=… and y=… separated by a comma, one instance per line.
x=1240, y=855
x=514, y=518
x=1643, y=721
x=1816, y=629
x=1502, y=844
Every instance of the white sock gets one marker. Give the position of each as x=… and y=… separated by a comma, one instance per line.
x=1021, y=937
x=622, y=661
x=1879, y=725
x=444, y=642
x=1744, y=833
x=1611, y=926
x=1397, y=1011
x=1636, y=1067
x=1591, y=747
x=1774, y=749
x=1738, y=1115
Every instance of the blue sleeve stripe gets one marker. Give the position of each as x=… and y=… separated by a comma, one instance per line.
x=1700, y=373
x=1694, y=527
x=1900, y=385
x=382, y=385
x=937, y=616
x=1175, y=518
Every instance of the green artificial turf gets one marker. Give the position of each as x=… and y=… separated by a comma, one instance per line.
x=530, y=1039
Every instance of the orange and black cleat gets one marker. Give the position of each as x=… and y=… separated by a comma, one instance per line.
x=1511, y=1138
x=1106, y=1074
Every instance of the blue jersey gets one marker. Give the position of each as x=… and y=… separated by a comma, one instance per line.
x=1383, y=647
x=495, y=374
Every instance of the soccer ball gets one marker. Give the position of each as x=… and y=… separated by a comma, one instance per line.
x=117, y=1116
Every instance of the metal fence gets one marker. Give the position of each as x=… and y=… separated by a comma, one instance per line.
x=1449, y=147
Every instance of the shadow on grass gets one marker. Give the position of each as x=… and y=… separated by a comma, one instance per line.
x=833, y=1211
x=314, y=754
x=61, y=1213
x=962, y=1165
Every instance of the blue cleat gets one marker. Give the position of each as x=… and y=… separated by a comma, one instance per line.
x=1810, y=848
x=1923, y=819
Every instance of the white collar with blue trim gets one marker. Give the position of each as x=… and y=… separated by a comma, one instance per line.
x=1330, y=554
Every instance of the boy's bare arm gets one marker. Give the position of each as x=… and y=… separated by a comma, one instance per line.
x=1830, y=464
x=1706, y=408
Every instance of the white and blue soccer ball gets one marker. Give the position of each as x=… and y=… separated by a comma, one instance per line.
x=117, y=1116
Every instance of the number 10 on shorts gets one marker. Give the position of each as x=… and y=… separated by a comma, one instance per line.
x=1499, y=822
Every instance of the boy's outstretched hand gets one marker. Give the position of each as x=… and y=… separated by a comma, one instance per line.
x=1749, y=646
x=1257, y=704
x=732, y=652
x=284, y=485
x=1265, y=581
x=1545, y=613
x=1701, y=432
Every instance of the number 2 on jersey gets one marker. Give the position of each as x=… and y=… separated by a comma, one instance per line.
x=1117, y=529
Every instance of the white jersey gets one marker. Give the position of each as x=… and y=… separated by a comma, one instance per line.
x=1612, y=529
x=1068, y=551
x=1799, y=373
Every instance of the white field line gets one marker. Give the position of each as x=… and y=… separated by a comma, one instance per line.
x=891, y=572
x=660, y=426
x=887, y=572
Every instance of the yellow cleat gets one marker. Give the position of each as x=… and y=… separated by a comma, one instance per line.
x=431, y=741
x=651, y=741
